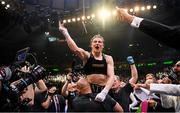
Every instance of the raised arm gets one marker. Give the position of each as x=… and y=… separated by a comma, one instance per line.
x=64, y=90
x=41, y=86
x=71, y=44
x=134, y=73
x=50, y=95
x=161, y=32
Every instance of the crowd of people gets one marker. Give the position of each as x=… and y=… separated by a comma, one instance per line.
x=99, y=89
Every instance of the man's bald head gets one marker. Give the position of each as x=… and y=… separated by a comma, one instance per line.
x=83, y=86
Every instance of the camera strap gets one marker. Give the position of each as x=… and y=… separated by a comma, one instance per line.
x=56, y=103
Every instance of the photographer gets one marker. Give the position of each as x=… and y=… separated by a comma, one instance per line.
x=19, y=88
x=32, y=88
x=27, y=95
x=4, y=77
x=69, y=90
x=49, y=101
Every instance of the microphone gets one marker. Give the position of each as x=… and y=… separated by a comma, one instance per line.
x=5, y=73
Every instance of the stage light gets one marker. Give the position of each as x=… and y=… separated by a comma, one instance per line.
x=168, y=62
x=48, y=20
x=64, y=21
x=88, y=17
x=78, y=19
x=83, y=18
x=148, y=7
x=52, y=39
x=151, y=64
x=142, y=8
x=140, y=65
x=114, y=12
x=69, y=20
x=46, y=33
x=136, y=9
x=154, y=6
x=93, y=16
x=8, y=6
x=73, y=19
x=104, y=14
x=131, y=10
x=130, y=45
x=2, y=2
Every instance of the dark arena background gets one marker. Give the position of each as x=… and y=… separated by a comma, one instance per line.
x=25, y=24
x=34, y=24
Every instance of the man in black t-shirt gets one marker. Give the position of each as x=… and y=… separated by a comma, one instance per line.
x=122, y=96
x=121, y=91
x=85, y=101
x=49, y=101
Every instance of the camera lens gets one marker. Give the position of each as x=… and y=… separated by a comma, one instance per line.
x=34, y=76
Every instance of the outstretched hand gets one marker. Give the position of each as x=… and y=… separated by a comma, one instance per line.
x=137, y=86
x=61, y=27
x=123, y=15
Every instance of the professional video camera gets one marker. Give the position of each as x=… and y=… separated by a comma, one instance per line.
x=37, y=73
x=13, y=88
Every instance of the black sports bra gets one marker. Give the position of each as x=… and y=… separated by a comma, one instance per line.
x=94, y=66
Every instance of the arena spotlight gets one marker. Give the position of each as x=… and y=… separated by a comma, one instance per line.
x=83, y=18
x=78, y=19
x=2, y=2
x=92, y=15
x=64, y=21
x=154, y=6
x=46, y=33
x=73, y=19
x=148, y=7
x=131, y=10
x=104, y=14
x=114, y=12
x=69, y=20
x=136, y=9
x=142, y=8
x=88, y=17
x=8, y=6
